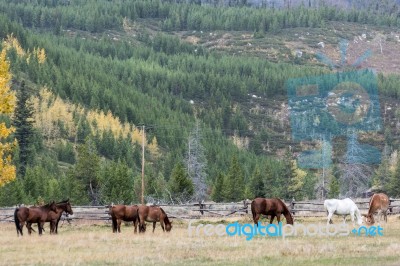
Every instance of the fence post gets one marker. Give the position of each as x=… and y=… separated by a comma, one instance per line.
x=292, y=203
x=201, y=206
x=390, y=203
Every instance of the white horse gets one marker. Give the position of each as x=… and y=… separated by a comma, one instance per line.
x=342, y=207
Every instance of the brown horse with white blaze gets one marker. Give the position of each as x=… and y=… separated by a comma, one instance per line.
x=37, y=215
x=153, y=214
x=273, y=207
x=125, y=213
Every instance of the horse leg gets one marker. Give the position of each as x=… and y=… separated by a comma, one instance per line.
x=58, y=220
x=329, y=219
x=119, y=225
x=29, y=227
x=162, y=225
x=52, y=230
x=154, y=226
x=344, y=219
x=40, y=227
x=256, y=218
x=352, y=218
x=278, y=217
x=53, y=227
x=379, y=217
x=135, y=224
x=142, y=227
x=21, y=226
x=272, y=218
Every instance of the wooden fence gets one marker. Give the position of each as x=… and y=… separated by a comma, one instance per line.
x=312, y=208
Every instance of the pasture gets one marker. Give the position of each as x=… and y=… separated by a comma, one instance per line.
x=89, y=243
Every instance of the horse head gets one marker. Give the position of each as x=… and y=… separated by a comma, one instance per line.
x=168, y=226
x=69, y=208
x=369, y=219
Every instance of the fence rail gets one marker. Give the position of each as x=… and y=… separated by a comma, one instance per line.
x=207, y=209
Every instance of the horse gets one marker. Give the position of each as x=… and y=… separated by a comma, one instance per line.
x=153, y=214
x=63, y=206
x=33, y=215
x=273, y=207
x=121, y=213
x=378, y=203
x=342, y=207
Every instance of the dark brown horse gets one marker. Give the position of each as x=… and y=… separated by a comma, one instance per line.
x=37, y=215
x=153, y=214
x=273, y=207
x=121, y=213
x=63, y=206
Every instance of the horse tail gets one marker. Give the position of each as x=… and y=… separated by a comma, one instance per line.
x=17, y=223
x=113, y=219
x=286, y=213
x=141, y=229
x=253, y=210
x=114, y=223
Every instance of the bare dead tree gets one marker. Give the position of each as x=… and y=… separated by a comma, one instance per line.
x=196, y=163
x=356, y=173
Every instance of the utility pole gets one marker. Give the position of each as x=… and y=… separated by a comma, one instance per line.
x=142, y=198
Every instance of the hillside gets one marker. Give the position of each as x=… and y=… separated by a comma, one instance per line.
x=176, y=69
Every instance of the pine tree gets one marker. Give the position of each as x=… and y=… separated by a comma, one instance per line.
x=296, y=182
x=87, y=169
x=181, y=186
x=23, y=123
x=234, y=181
x=334, y=187
x=217, y=192
x=394, y=185
x=270, y=189
x=287, y=173
x=257, y=184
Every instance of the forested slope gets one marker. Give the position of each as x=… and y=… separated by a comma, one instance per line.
x=213, y=114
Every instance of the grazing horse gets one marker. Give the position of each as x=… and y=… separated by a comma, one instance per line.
x=63, y=206
x=153, y=214
x=342, y=207
x=37, y=215
x=378, y=203
x=121, y=213
x=273, y=207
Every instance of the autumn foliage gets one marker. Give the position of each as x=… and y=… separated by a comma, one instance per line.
x=7, y=105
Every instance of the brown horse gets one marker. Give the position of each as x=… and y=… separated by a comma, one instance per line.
x=63, y=206
x=379, y=203
x=273, y=207
x=121, y=213
x=33, y=215
x=153, y=214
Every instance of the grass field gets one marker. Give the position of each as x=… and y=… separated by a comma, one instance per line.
x=95, y=244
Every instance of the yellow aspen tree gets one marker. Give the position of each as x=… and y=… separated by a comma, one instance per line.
x=41, y=55
x=7, y=105
x=153, y=148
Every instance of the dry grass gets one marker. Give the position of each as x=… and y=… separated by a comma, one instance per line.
x=91, y=244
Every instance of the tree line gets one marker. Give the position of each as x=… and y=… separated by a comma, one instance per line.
x=152, y=83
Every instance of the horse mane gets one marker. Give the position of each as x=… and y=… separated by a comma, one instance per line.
x=46, y=205
x=166, y=220
x=64, y=201
x=286, y=213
